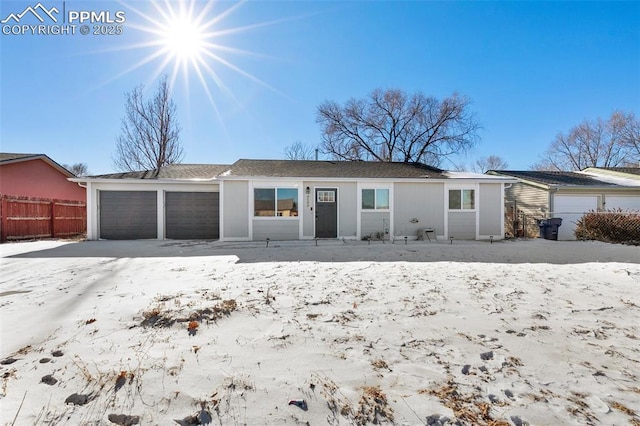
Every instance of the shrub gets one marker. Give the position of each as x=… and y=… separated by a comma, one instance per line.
x=613, y=226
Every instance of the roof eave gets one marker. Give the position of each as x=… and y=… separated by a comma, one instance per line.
x=44, y=158
x=143, y=181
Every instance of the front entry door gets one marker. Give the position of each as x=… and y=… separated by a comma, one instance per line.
x=326, y=212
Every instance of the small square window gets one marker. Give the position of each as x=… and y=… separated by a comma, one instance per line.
x=462, y=199
x=326, y=196
x=375, y=199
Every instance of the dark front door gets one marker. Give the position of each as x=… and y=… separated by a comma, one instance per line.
x=326, y=212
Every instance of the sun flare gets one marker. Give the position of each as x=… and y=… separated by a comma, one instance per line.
x=185, y=40
x=189, y=38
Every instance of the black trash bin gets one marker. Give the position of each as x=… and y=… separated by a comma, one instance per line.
x=549, y=228
x=552, y=227
x=543, y=224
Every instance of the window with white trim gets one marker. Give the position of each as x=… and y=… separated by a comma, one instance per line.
x=275, y=202
x=375, y=199
x=462, y=199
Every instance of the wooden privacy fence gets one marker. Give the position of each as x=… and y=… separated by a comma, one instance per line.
x=28, y=218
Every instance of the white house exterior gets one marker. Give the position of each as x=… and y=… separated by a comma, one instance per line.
x=253, y=200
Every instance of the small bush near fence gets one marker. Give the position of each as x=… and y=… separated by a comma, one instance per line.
x=610, y=226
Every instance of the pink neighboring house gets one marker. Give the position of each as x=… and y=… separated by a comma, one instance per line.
x=37, y=175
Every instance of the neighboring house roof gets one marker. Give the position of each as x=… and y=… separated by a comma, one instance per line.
x=9, y=158
x=331, y=169
x=625, y=170
x=627, y=176
x=554, y=178
x=173, y=171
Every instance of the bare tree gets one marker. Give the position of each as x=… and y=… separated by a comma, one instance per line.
x=300, y=151
x=628, y=127
x=492, y=162
x=78, y=169
x=150, y=134
x=390, y=125
x=598, y=143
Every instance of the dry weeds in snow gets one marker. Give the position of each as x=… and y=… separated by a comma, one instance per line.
x=186, y=336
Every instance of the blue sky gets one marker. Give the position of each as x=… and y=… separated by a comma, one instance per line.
x=532, y=70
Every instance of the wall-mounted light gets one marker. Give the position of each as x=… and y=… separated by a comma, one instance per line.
x=308, y=190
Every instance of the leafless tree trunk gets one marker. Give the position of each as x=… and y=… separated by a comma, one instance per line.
x=599, y=143
x=150, y=134
x=492, y=162
x=390, y=125
x=300, y=151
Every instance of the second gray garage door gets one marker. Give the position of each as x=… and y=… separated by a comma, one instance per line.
x=128, y=215
x=192, y=215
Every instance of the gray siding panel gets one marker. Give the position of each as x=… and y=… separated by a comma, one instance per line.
x=192, y=215
x=236, y=209
x=422, y=201
x=128, y=215
x=373, y=223
x=490, y=207
x=276, y=230
x=462, y=225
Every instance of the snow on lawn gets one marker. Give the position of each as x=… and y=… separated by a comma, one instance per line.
x=159, y=332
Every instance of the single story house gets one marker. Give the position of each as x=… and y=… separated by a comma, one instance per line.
x=569, y=195
x=253, y=200
x=37, y=176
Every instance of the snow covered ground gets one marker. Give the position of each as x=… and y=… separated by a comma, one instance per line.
x=175, y=332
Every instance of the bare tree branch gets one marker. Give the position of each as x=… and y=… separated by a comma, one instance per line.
x=492, y=162
x=599, y=143
x=149, y=136
x=390, y=125
x=299, y=151
x=78, y=169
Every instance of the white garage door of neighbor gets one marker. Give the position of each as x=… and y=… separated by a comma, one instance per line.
x=622, y=202
x=571, y=208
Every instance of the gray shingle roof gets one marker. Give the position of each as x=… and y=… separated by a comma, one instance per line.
x=10, y=156
x=628, y=170
x=553, y=177
x=173, y=171
x=332, y=169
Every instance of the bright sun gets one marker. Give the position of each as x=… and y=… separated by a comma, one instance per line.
x=185, y=39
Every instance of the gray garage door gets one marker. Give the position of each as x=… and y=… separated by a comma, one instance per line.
x=128, y=215
x=192, y=215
